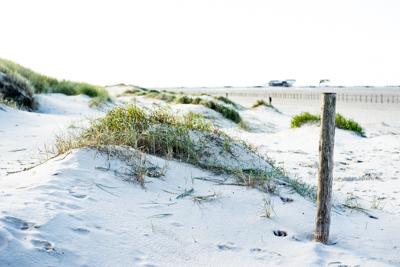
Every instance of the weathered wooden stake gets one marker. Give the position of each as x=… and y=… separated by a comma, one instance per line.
x=325, y=170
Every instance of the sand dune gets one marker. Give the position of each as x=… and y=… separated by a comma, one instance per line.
x=74, y=210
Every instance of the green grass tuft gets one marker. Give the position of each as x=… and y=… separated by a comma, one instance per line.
x=225, y=100
x=10, y=82
x=304, y=117
x=348, y=124
x=340, y=122
x=182, y=98
x=261, y=103
x=244, y=125
x=8, y=102
x=43, y=84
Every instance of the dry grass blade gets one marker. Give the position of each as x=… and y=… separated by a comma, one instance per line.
x=200, y=199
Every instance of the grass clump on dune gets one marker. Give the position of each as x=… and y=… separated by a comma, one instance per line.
x=340, y=122
x=182, y=98
x=348, y=124
x=154, y=130
x=189, y=138
x=44, y=84
x=225, y=100
x=228, y=113
x=8, y=102
x=304, y=117
x=15, y=90
x=261, y=103
x=158, y=131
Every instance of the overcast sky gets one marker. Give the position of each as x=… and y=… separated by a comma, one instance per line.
x=155, y=43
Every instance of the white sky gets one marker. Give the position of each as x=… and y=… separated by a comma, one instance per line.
x=157, y=43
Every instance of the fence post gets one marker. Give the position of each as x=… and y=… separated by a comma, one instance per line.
x=325, y=170
x=226, y=95
x=381, y=98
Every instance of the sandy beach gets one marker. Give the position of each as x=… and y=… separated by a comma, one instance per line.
x=74, y=210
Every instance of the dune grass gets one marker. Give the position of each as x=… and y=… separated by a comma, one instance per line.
x=340, y=122
x=261, y=102
x=8, y=102
x=244, y=125
x=181, y=98
x=226, y=100
x=15, y=80
x=44, y=84
x=348, y=124
x=158, y=131
x=304, y=117
x=228, y=113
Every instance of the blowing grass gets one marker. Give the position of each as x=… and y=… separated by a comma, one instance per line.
x=8, y=102
x=158, y=131
x=340, y=122
x=154, y=130
x=44, y=84
x=228, y=113
x=170, y=97
x=16, y=91
x=261, y=102
x=348, y=124
x=226, y=100
x=304, y=117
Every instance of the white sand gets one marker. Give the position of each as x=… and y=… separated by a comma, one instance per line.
x=68, y=213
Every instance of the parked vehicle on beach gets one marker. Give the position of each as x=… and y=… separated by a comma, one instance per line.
x=286, y=83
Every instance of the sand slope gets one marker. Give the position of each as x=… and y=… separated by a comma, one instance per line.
x=78, y=210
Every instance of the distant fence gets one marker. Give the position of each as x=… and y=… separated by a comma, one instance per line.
x=344, y=95
x=372, y=98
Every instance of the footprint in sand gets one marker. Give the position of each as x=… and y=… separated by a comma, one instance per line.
x=16, y=223
x=286, y=200
x=76, y=194
x=227, y=246
x=81, y=231
x=280, y=233
x=42, y=245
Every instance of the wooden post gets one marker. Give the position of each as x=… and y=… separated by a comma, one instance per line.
x=325, y=170
x=226, y=95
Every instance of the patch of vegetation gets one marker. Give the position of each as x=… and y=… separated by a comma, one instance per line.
x=244, y=125
x=153, y=130
x=225, y=100
x=182, y=98
x=44, y=84
x=304, y=117
x=228, y=113
x=11, y=103
x=340, y=122
x=352, y=203
x=261, y=103
x=348, y=124
x=15, y=90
